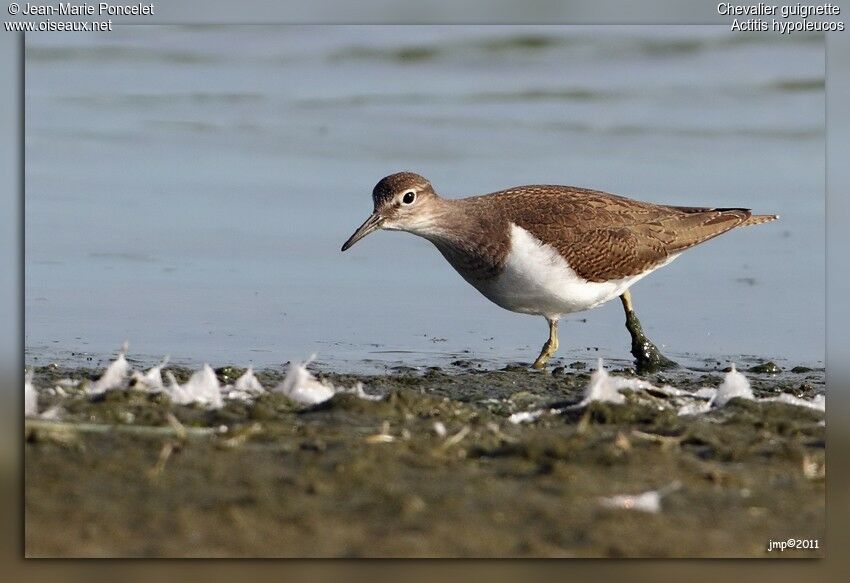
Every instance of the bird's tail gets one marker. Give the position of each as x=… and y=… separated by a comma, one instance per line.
x=759, y=219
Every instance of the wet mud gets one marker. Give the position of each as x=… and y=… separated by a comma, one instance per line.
x=433, y=469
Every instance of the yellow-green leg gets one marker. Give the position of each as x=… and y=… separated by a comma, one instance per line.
x=647, y=356
x=551, y=346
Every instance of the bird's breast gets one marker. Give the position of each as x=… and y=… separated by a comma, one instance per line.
x=534, y=278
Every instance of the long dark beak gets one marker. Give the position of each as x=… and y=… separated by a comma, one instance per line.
x=373, y=223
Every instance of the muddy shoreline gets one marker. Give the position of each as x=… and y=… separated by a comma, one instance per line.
x=433, y=469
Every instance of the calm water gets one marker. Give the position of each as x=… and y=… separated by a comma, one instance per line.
x=188, y=189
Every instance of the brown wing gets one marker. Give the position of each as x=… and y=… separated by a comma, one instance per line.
x=605, y=237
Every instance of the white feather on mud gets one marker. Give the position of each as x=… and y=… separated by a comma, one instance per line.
x=245, y=388
x=302, y=387
x=694, y=408
x=248, y=383
x=151, y=380
x=202, y=388
x=114, y=376
x=817, y=403
x=734, y=385
x=646, y=502
x=529, y=416
x=604, y=387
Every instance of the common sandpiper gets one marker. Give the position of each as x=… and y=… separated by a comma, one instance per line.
x=551, y=250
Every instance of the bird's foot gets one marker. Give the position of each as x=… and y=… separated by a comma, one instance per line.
x=647, y=356
x=549, y=349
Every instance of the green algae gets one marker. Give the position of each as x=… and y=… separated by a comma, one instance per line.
x=766, y=368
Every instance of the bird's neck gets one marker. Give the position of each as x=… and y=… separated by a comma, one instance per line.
x=475, y=243
x=446, y=222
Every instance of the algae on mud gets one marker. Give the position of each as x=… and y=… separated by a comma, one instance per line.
x=433, y=469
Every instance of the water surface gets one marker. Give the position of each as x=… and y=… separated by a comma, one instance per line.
x=188, y=188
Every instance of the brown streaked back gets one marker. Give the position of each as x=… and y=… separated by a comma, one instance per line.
x=604, y=236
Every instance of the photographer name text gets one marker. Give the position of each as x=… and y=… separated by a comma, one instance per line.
x=86, y=9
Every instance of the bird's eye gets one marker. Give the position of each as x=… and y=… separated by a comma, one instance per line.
x=408, y=197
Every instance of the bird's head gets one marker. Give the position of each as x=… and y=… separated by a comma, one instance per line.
x=402, y=202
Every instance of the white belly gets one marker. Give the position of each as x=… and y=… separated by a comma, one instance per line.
x=537, y=280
